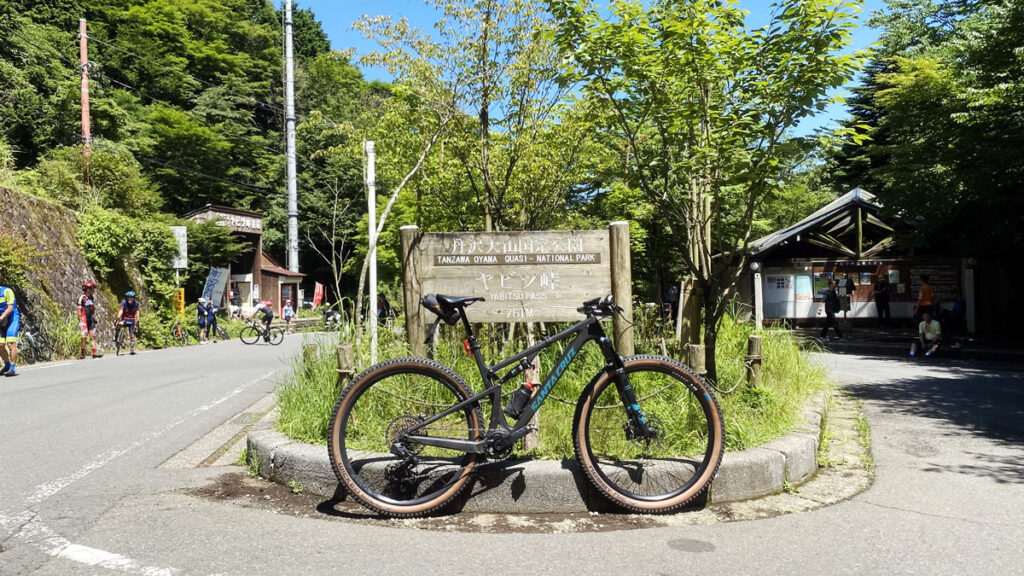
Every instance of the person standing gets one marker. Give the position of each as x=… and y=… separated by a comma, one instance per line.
x=211, y=320
x=287, y=313
x=202, y=319
x=929, y=335
x=830, y=301
x=881, y=297
x=10, y=322
x=925, y=298
x=129, y=315
x=87, y=319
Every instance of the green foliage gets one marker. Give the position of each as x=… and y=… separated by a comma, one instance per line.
x=752, y=415
x=944, y=108
x=209, y=245
x=17, y=259
x=107, y=239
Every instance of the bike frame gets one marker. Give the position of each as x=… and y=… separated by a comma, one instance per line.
x=584, y=331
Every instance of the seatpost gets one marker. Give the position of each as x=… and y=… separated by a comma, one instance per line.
x=474, y=346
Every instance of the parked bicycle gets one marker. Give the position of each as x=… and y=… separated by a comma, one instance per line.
x=253, y=332
x=33, y=346
x=222, y=333
x=407, y=433
x=177, y=334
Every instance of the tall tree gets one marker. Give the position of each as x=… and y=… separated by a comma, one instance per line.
x=702, y=105
x=492, y=64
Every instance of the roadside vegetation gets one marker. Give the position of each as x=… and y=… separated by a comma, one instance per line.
x=752, y=415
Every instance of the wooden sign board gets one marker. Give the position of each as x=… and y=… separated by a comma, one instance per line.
x=523, y=276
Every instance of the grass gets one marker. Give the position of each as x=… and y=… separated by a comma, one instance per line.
x=864, y=435
x=752, y=415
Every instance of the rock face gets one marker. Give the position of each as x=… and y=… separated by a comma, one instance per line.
x=53, y=230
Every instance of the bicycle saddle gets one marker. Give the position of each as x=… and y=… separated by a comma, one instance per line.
x=447, y=307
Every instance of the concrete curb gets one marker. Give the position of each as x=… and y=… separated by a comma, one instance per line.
x=550, y=486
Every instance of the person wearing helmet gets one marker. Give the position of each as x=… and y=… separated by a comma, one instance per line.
x=267, y=311
x=287, y=313
x=10, y=320
x=206, y=313
x=129, y=315
x=87, y=318
x=202, y=318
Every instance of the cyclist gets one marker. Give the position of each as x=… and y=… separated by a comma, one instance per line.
x=129, y=315
x=267, y=311
x=87, y=318
x=208, y=317
x=10, y=320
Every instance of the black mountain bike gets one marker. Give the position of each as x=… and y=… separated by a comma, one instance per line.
x=253, y=332
x=406, y=434
x=33, y=346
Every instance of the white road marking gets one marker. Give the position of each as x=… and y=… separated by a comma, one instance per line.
x=31, y=530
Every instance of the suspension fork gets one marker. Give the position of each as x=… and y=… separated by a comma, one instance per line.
x=637, y=424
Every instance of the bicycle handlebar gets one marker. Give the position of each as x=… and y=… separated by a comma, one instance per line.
x=604, y=306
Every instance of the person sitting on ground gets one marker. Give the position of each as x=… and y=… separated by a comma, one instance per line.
x=929, y=336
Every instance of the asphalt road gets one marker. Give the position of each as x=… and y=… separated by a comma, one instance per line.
x=86, y=489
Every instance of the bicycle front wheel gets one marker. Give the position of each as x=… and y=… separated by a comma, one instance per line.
x=119, y=341
x=368, y=441
x=276, y=336
x=250, y=335
x=655, y=474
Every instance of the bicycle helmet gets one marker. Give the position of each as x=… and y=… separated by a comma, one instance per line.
x=88, y=285
x=202, y=300
x=129, y=294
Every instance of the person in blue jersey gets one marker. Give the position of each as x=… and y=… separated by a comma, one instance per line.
x=211, y=319
x=129, y=316
x=10, y=322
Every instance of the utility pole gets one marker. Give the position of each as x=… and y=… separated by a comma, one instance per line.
x=289, y=122
x=371, y=201
x=83, y=59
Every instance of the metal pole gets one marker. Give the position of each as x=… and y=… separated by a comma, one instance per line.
x=371, y=213
x=289, y=120
x=83, y=60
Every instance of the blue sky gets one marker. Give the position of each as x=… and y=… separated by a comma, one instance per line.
x=337, y=18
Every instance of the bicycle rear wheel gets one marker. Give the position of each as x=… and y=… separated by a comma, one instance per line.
x=42, y=349
x=659, y=474
x=369, y=425
x=250, y=335
x=276, y=336
x=25, y=351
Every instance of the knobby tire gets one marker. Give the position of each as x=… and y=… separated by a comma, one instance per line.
x=662, y=474
x=371, y=415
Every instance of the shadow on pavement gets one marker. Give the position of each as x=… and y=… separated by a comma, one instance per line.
x=981, y=400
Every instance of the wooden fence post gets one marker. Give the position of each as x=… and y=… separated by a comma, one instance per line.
x=412, y=288
x=753, y=360
x=695, y=358
x=346, y=363
x=622, y=287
